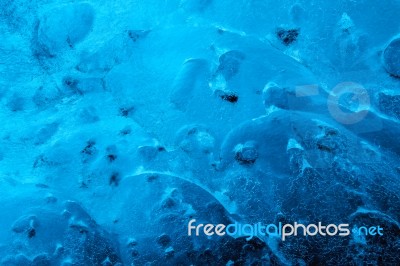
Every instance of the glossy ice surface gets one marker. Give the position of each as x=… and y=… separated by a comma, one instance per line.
x=123, y=120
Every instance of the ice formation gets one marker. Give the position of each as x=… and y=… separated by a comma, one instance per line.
x=123, y=120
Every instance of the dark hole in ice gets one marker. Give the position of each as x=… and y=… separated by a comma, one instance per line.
x=232, y=98
x=70, y=43
x=31, y=232
x=133, y=35
x=192, y=131
x=134, y=253
x=323, y=147
x=244, y=161
x=41, y=160
x=71, y=83
x=83, y=185
x=168, y=203
x=126, y=131
x=287, y=36
x=163, y=240
x=126, y=111
x=114, y=179
x=331, y=132
x=136, y=35
x=152, y=178
x=111, y=157
x=89, y=149
x=161, y=148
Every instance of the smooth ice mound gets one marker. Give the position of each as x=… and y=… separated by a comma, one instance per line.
x=123, y=120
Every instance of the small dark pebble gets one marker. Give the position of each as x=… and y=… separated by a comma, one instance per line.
x=232, y=98
x=161, y=148
x=287, y=36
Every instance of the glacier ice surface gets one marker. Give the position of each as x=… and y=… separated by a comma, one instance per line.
x=123, y=120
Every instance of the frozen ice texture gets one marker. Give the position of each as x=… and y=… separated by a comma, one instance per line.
x=123, y=120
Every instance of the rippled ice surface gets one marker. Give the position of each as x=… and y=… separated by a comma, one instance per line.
x=123, y=120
